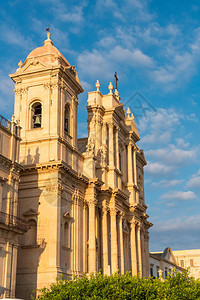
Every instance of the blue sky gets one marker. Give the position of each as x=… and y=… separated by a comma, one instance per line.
x=155, y=48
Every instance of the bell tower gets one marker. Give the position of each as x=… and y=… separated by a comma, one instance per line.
x=46, y=101
x=46, y=89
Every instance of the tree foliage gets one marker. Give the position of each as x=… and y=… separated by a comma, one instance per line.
x=97, y=286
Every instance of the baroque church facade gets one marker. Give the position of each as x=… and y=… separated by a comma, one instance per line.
x=82, y=199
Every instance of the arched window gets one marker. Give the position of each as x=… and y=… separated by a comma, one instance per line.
x=67, y=234
x=31, y=235
x=36, y=115
x=67, y=119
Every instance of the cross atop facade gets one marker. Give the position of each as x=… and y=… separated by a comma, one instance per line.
x=116, y=79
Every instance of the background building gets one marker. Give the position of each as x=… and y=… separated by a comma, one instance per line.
x=189, y=259
x=83, y=199
x=163, y=263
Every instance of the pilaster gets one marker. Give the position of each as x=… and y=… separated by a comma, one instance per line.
x=111, y=145
x=114, y=254
x=134, y=266
x=121, y=243
x=92, y=235
x=105, y=238
x=130, y=164
x=139, y=243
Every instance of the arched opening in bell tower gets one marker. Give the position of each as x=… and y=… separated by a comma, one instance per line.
x=67, y=119
x=36, y=115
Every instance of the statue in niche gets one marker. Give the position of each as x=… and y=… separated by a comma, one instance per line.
x=140, y=183
x=124, y=224
x=102, y=156
x=91, y=143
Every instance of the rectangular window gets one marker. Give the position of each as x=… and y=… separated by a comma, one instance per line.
x=166, y=274
x=151, y=271
x=182, y=263
x=191, y=263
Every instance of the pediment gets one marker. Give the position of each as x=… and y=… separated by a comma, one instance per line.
x=121, y=111
x=168, y=255
x=33, y=65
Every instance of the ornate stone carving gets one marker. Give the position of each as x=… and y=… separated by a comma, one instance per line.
x=19, y=91
x=102, y=156
x=91, y=144
x=124, y=224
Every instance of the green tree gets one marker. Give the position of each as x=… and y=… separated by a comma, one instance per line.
x=117, y=286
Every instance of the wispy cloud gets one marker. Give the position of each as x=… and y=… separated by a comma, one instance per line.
x=14, y=37
x=157, y=169
x=194, y=182
x=167, y=183
x=172, y=155
x=165, y=234
x=179, y=196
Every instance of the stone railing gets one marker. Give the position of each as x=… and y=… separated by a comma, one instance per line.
x=13, y=221
x=5, y=123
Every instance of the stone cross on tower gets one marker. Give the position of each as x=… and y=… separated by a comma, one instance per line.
x=116, y=79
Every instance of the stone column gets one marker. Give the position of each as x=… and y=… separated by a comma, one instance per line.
x=134, y=166
x=139, y=229
x=114, y=254
x=111, y=148
x=104, y=135
x=121, y=243
x=117, y=147
x=105, y=239
x=14, y=271
x=85, y=238
x=92, y=236
x=2, y=181
x=134, y=266
x=130, y=164
x=98, y=129
x=15, y=197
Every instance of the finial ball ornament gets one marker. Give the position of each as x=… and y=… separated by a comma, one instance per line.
x=110, y=87
x=97, y=85
x=20, y=64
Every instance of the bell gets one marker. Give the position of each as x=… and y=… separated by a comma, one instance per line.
x=37, y=121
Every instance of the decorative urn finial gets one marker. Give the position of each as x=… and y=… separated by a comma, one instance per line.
x=20, y=64
x=48, y=35
x=128, y=112
x=110, y=87
x=97, y=85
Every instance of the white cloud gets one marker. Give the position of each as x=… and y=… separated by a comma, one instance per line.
x=181, y=143
x=179, y=196
x=11, y=36
x=167, y=233
x=161, y=123
x=194, y=182
x=94, y=65
x=173, y=156
x=167, y=183
x=133, y=57
x=158, y=169
x=103, y=63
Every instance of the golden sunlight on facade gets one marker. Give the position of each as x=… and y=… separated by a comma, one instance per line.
x=83, y=199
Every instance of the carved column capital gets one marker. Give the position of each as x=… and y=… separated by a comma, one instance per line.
x=92, y=202
x=110, y=124
x=113, y=211
x=104, y=210
x=121, y=215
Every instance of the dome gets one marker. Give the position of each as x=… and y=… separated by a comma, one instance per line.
x=47, y=53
